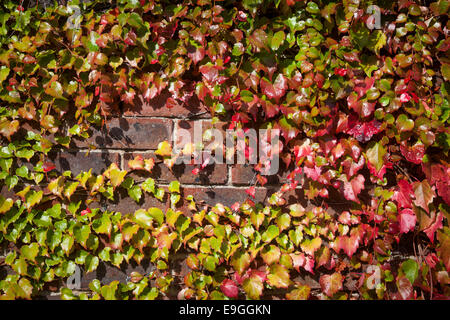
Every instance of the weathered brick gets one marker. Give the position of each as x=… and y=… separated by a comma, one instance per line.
x=125, y=204
x=225, y=195
x=157, y=107
x=243, y=174
x=77, y=161
x=190, y=126
x=107, y=273
x=130, y=133
x=211, y=174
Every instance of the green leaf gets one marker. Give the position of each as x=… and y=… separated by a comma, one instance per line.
x=81, y=233
x=33, y=198
x=404, y=124
x=4, y=72
x=174, y=186
x=156, y=214
x=411, y=270
x=277, y=40
x=240, y=261
x=278, y=276
x=135, y=193
x=253, y=287
x=312, y=7
x=143, y=218
x=30, y=252
x=91, y=263
x=300, y=293
x=375, y=155
x=5, y=204
x=148, y=185
x=271, y=233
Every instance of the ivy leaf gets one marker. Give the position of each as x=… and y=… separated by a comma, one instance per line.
x=271, y=233
x=174, y=186
x=240, y=262
x=407, y=220
x=424, y=194
x=311, y=246
x=30, y=252
x=91, y=263
x=375, y=155
x=143, y=218
x=164, y=149
x=148, y=185
x=5, y=204
x=81, y=233
x=229, y=288
x=300, y=293
x=33, y=198
x=270, y=254
x=411, y=270
x=352, y=188
x=277, y=40
x=116, y=176
x=8, y=128
x=156, y=214
x=278, y=276
x=444, y=249
x=331, y=283
x=135, y=193
x=253, y=287
x=137, y=163
x=275, y=90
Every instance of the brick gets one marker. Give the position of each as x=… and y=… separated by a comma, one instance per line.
x=107, y=273
x=211, y=174
x=225, y=195
x=157, y=107
x=125, y=204
x=130, y=133
x=189, y=125
x=243, y=174
x=77, y=161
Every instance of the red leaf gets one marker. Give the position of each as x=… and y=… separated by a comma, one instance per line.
x=229, y=288
x=407, y=220
x=362, y=86
x=424, y=194
x=340, y=71
x=405, y=288
x=413, y=154
x=300, y=260
x=241, y=16
x=86, y=211
x=196, y=54
x=405, y=97
x=313, y=173
x=275, y=90
x=331, y=283
x=348, y=244
x=130, y=39
x=209, y=72
x=251, y=191
x=437, y=224
x=48, y=166
x=362, y=131
x=404, y=195
x=353, y=188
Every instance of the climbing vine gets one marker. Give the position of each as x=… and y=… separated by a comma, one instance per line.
x=363, y=111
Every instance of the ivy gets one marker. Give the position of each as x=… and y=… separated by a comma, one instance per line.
x=362, y=112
